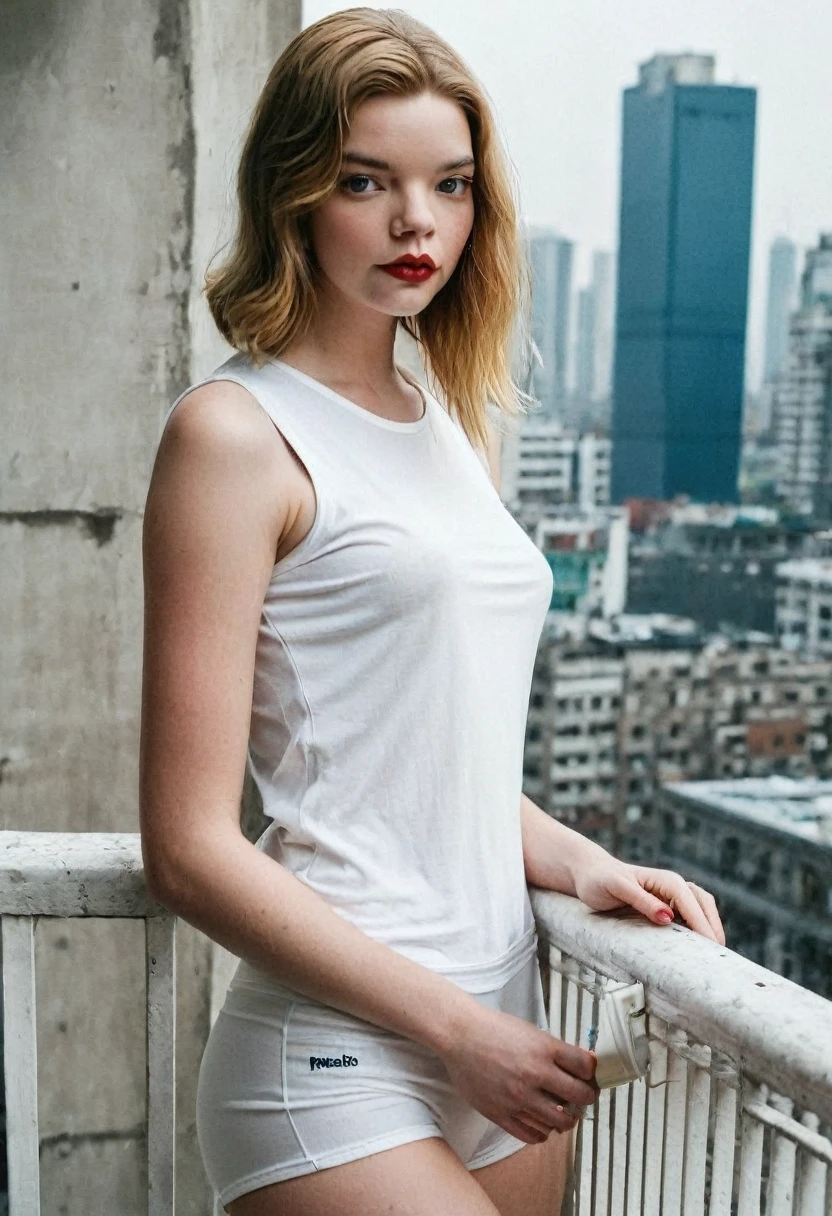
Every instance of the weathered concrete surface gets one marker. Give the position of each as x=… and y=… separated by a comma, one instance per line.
x=120, y=127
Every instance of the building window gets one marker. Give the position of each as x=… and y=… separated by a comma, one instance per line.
x=761, y=877
x=813, y=892
x=729, y=856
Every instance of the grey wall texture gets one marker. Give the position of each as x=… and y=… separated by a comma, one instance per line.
x=121, y=124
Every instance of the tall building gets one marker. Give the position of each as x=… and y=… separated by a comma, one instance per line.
x=585, y=345
x=603, y=294
x=682, y=292
x=551, y=261
x=802, y=401
x=594, y=331
x=782, y=282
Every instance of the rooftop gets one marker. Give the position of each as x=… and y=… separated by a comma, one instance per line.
x=799, y=807
x=807, y=570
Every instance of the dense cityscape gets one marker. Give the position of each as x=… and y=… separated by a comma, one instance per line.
x=682, y=699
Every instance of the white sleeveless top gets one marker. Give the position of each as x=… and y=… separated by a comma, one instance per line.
x=393, y=670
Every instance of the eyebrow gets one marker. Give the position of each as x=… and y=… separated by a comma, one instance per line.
x=358, y=158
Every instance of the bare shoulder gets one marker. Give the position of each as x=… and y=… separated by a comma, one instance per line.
x=222, y=419
x=222, y=454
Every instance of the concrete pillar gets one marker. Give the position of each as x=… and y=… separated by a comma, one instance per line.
x=121, y=125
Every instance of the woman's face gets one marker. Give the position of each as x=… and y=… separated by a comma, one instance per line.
x=404, y=188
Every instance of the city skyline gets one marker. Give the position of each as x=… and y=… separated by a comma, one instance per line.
x=576, y=59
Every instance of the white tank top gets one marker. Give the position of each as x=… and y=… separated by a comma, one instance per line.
x=393, y=670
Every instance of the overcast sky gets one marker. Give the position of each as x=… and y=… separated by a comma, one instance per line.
x=555, y=69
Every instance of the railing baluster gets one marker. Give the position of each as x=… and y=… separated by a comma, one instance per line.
x=725, y=1135
x=20, y=1061
x=589, y=1140
x=656, y=1097
x=618, y=1180
x=696, y=1130
x=603, y=1111
x=570, y=1014
x=674, y=1126
x=160, y=950
x=555, y=992
x=780, y=1191
x=751, y=1158
x=636, y=1126
x=812, y=1177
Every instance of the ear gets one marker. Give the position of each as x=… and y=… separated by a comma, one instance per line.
x=493, y=453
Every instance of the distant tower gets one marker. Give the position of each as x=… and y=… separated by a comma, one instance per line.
x=604, y=303
x=803, y=394
x=551, y=262
x=585, y=345
x=682, y=290
x=782, y=283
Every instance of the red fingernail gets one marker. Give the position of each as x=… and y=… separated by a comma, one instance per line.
x=666, y=914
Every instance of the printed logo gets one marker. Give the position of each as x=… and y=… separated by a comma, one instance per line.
x=344, y=1061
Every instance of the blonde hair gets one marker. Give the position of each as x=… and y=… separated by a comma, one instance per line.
x=264, y=296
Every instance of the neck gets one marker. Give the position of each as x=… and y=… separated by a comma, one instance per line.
x=348, y=343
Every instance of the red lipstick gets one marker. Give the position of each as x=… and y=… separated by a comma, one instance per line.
x=411, y=268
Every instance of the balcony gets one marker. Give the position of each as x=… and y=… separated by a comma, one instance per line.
x=733, y=1119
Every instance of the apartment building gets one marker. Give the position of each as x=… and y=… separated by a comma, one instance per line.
x=763, y=847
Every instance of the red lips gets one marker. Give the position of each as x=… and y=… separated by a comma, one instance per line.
x=412, y=259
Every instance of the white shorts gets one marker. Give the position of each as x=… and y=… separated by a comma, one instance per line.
x=288, y=1085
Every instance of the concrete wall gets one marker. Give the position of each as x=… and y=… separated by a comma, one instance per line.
x=120, y=124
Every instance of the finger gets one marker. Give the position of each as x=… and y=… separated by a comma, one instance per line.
x=536, y=1121
x=687, y=905
x=569, y=1088
x=549, y=1115
x=523, y=1132
x=552, y=1109
x=708, y=906
x=628, y=890
x=675, y=892
x=575, y=1060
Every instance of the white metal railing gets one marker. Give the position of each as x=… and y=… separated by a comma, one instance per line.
x=733, y=1119
x=735, y=1114
x=68, y=874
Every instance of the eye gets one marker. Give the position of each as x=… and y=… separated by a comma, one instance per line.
x=465, y=183
x=361, y=178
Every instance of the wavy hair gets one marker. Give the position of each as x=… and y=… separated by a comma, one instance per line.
x=264, y=296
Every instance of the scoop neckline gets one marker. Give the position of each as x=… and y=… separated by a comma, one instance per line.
x=388, y=423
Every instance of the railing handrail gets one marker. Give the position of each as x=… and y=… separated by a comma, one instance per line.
x=74, y=874
x=773, y=1029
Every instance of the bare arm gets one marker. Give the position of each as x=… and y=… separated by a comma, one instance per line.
x=552, y=852
x=217, y=508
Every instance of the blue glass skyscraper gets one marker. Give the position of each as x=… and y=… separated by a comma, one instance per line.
x=683, y=261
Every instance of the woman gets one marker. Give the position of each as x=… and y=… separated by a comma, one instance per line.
x=336, y=596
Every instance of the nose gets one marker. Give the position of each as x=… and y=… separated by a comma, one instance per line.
x=413, y=213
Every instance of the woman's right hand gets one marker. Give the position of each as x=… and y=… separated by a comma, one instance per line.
x=522, y=1078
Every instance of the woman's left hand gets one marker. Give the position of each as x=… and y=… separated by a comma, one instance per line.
x=608, y=883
